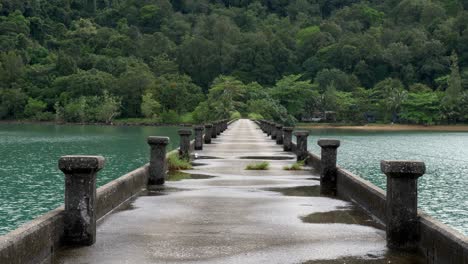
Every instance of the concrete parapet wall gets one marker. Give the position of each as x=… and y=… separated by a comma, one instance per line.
x=439, y=243
x=36, y=241
x=362, y=192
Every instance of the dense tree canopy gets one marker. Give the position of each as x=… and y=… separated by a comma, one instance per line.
x=181, y=60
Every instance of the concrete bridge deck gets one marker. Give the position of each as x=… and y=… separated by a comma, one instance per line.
x=227, y=214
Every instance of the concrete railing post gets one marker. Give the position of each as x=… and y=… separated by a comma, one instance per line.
x=184, y=149
x=279, y=134
x=218, y=128
x=157, y=167
x=328, y=168
x=208, y=133
x=198, y=137
x=80, y=198
x=301, y=151
x=402, y=202
x=273, y=131
x=214, y=134
x=287, y=138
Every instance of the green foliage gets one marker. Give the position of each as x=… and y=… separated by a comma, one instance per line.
x=296, y=166
x=170, y=117
x=235, y=115
x=255, y=116
x=149, y=106
x=175, y=163
x=204, y=60
x=34, y=108
x=258, y=166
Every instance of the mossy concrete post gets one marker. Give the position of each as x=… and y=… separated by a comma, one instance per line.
x=273, y=131
x=157, y=167
x=328, y=168
x=301, y=142
x=268, y=128
x=184, y=148
x=80, y=198
x=279, y=134
x=287, y=138
x=198, y=137
x=208, y=133
x=402, y=202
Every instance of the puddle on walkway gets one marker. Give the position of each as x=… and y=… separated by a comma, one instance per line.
x=349, y=215
x=206, y=157
x=311, y=191
x=268, y=157
x=178, y=176
x=391, y=257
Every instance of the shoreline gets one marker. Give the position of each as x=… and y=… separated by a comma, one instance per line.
x=117, y=123
x=388, y=127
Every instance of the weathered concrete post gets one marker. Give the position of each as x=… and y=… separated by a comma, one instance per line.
x=279, y=134
x=268, y=128
x=214, y=134
x=157, y=168
x=184, y=149
x=301, y=151
x=402, y=202
x=208, y=133
x=80, y=198
x=287, y=138
x=218, y=128
x=328, y=165
x=273, y=131
x=198, y=137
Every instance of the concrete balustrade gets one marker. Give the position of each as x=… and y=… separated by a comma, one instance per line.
x=287, y=138
x=80, y=198
x=214, y=133
x=402, y=202
x=198, y=137
x=328, y=169
x=279, y=134
x=208, y=133
x=218, y=128
x=158, y=166
x=301, y=150
x=184, y=149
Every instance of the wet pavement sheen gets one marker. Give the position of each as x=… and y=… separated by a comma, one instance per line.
x=226, y=214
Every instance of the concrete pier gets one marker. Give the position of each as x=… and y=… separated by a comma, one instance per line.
x=184, y=148
x=227, y=214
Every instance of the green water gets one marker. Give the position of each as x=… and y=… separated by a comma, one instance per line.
x=31, y=184
x=443, y=191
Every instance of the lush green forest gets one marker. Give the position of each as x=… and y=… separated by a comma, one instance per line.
x=197, y=60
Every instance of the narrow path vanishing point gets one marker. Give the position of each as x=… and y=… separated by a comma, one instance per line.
x=238, y=215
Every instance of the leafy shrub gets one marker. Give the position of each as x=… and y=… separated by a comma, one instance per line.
x=170, y=117
x=255, y=116
x=258, y=166
x=176, y=163
x=296, y=166
x=236, y=115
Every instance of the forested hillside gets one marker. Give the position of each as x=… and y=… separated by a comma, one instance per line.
x=195, y=60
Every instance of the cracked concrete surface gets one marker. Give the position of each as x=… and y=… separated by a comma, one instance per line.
x=238, y=216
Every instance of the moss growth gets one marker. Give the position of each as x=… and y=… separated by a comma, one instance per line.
x=258, y=166
x=296, y=166
x=176, y=163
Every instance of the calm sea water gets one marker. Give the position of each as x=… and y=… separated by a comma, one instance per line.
x=443, y=191
x=30, y=182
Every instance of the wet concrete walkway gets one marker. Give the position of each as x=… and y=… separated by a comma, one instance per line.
x=226, y=214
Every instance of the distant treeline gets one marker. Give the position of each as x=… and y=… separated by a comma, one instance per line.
x=184, y=60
